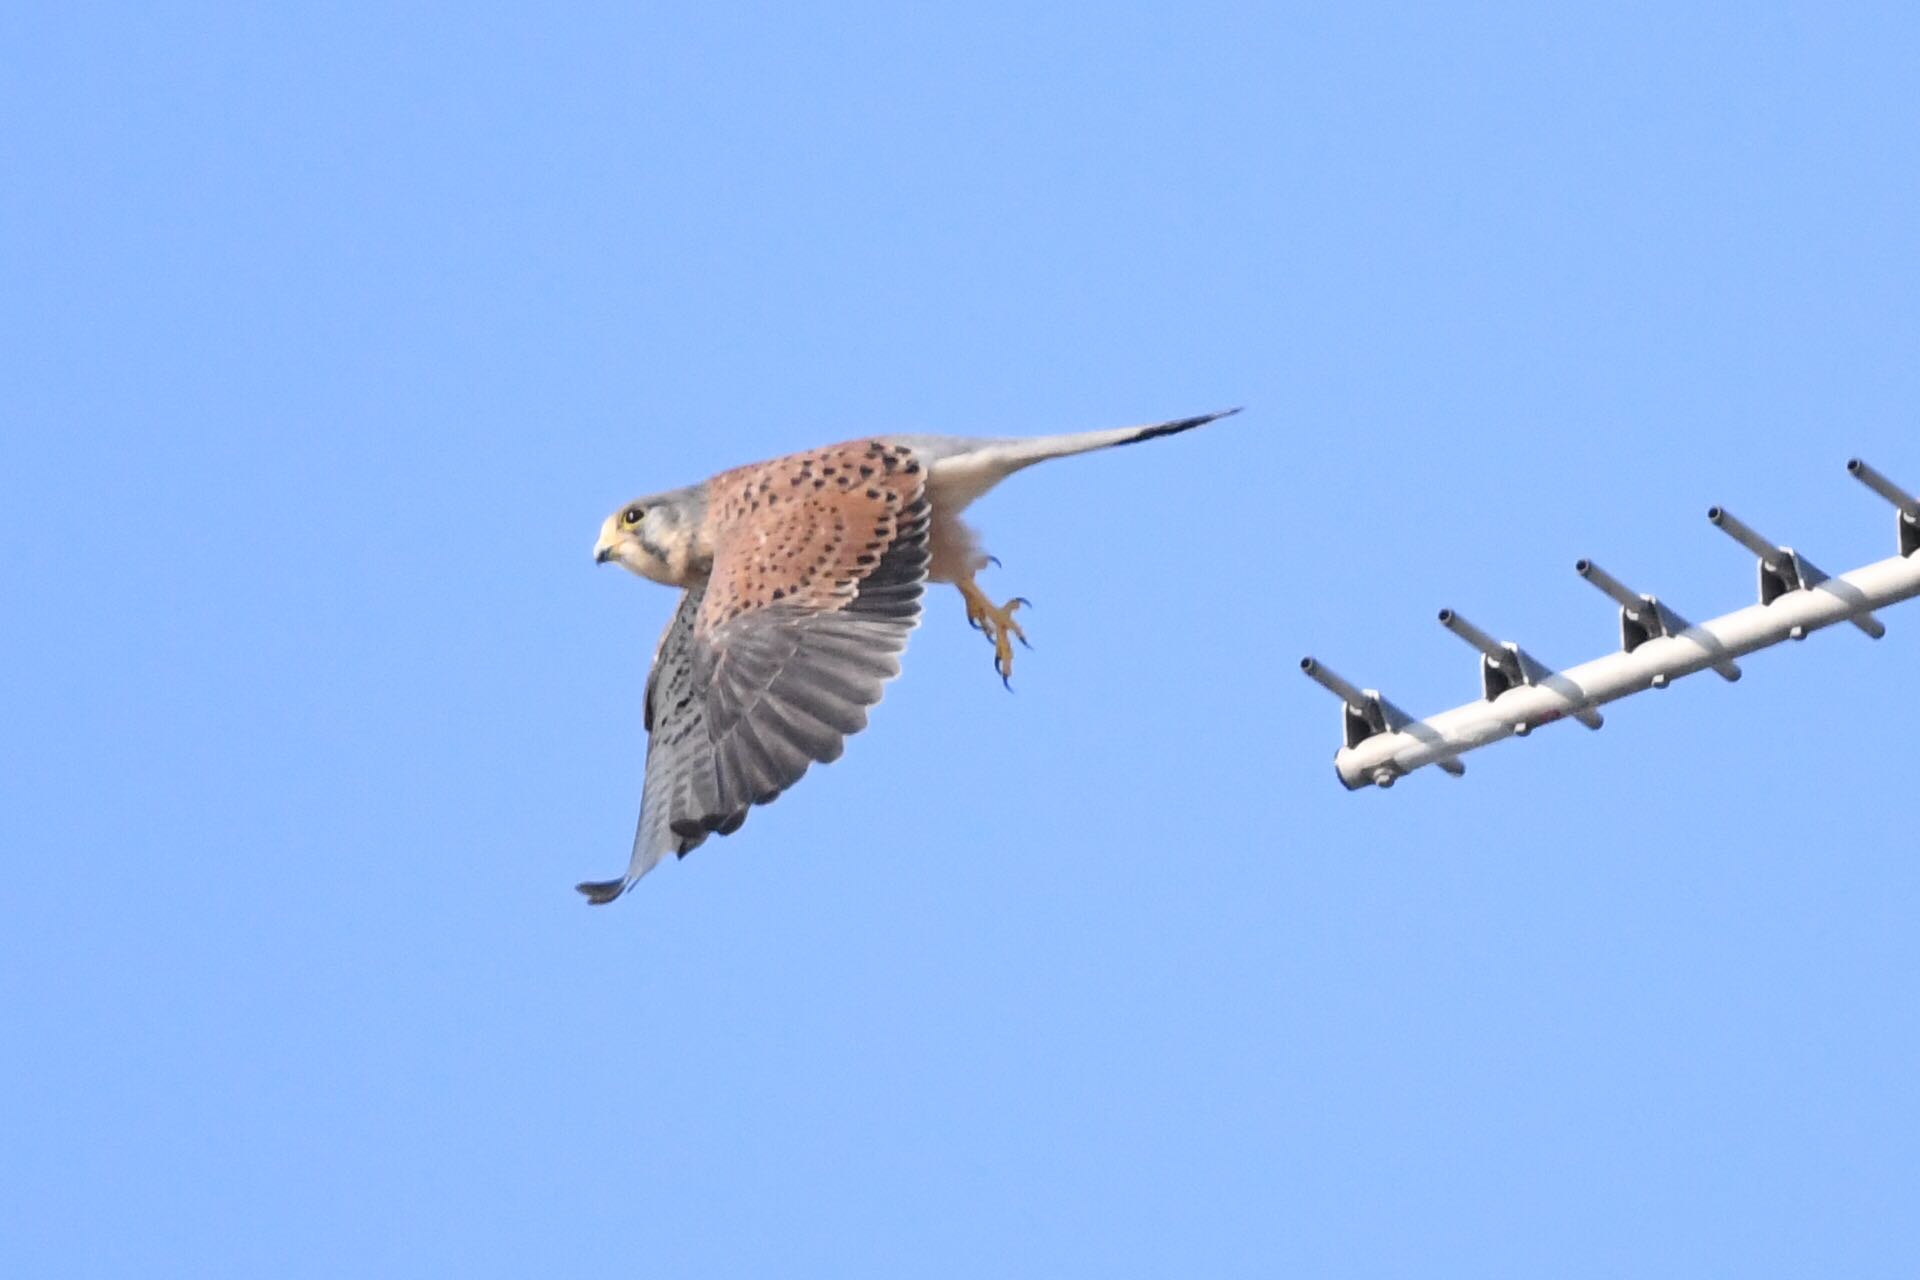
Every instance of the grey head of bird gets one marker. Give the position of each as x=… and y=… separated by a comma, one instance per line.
x=659, y=537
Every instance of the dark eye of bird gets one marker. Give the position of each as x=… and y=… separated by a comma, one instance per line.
x=633, y=515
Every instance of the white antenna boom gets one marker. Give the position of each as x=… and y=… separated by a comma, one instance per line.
x=1657, y=646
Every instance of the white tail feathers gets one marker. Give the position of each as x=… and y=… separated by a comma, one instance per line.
x=963, y=476
x=1024, y=453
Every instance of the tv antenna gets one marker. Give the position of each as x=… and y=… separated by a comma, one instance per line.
x=1657, y=646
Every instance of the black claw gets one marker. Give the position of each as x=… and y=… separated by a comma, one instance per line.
x=1020, y=600
x=1022, y=639
x=994, y=561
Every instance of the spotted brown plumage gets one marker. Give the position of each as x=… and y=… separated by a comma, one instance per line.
x=803, y=578
x=804, y=530
x=818, y=563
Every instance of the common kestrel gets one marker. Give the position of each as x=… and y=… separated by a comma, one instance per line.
x=803, y=576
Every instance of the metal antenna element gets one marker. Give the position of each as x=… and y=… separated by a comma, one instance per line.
x=1505, y=665
x=1367, y=715
x=1908, y=505
x=1657, y=646
x=1642, y=617
x=1782, y=569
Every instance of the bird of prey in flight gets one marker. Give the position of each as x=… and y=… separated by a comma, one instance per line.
x=802, y=576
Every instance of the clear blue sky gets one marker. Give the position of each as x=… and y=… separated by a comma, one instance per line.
x=333, y=332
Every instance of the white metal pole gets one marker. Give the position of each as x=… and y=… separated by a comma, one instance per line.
x=1796, y=600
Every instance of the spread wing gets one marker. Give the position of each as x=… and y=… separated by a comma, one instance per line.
x=769, y=665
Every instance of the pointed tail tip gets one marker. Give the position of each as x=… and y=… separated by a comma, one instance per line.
x=601, y=892
x=1178, y=425
x=1203, y=419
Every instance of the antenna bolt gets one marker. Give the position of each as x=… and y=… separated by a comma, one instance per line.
x=1383, y=777
x=1798, y=633
x=1660, y=681
x=1521, y=729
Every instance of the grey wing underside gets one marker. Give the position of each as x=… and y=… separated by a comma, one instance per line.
x=737, y=717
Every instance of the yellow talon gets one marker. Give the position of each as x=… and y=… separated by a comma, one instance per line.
x=997, y=621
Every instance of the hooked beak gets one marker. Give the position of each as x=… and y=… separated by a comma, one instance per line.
x=609, y=539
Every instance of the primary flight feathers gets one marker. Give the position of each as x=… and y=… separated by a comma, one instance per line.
x=803, y=577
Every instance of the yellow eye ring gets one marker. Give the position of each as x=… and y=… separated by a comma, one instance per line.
x=633, y=515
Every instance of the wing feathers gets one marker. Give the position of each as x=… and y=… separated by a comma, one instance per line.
x=739, y=713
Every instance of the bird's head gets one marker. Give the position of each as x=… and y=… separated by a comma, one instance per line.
x=657, y=537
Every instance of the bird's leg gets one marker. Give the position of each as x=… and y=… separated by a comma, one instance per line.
x=996, y=620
